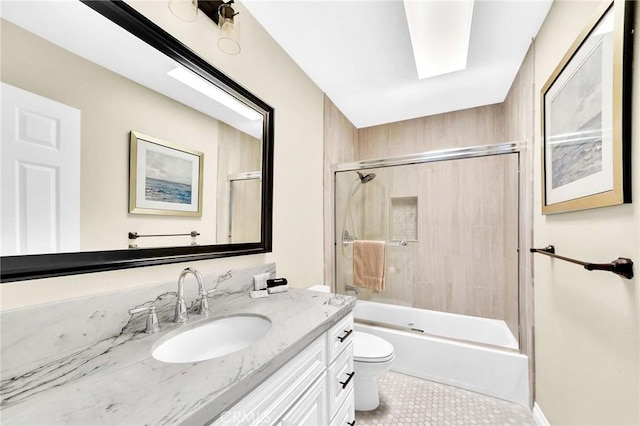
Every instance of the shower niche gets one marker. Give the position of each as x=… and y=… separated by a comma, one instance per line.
x=404, y=219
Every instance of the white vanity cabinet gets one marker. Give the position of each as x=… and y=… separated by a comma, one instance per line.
x=314, y=388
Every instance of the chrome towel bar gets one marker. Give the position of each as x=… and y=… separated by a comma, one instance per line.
x=401, y=243
x=134, y=235
x=621, y=266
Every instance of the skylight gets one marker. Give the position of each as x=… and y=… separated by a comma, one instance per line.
x=440, y=32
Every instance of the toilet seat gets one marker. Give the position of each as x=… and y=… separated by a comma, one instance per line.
x=370, y=348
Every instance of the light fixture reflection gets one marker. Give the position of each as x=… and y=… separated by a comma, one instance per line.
x=206, y=88
x=187, y=10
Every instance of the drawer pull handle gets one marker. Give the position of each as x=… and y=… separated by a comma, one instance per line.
x=346, y=382
x=348, y=333
x=352, y=423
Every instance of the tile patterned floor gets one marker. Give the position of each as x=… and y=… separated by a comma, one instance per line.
x=409, y=401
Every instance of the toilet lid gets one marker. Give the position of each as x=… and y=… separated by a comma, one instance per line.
x=370, y=348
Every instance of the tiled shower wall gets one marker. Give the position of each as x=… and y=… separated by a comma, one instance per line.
x=340, y=145
x=469, y=127
x=519, y=125
x=467, y=256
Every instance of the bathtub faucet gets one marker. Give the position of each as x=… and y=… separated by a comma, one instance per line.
x=353, y=288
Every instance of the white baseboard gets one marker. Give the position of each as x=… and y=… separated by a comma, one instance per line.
x=538, y=416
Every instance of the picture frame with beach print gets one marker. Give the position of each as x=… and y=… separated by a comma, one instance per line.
x=164, y=178
x=586, y=122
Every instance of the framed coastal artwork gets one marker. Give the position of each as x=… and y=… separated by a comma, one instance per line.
x=586, y=117
x=164, y=178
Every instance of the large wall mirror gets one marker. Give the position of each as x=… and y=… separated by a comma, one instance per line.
x=121, y=147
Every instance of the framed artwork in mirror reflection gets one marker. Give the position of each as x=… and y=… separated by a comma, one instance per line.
x=164, y=178
x=586, y=117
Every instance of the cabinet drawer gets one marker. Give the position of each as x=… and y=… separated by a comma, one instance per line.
x=340, y=336
x=341, y=377
x=346, y=415
x=269, y=401
x=311, y=408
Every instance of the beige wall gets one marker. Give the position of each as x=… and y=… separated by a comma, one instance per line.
x=587, y=324
x=263, y=68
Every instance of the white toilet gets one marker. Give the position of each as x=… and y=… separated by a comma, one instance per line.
x=372, y=356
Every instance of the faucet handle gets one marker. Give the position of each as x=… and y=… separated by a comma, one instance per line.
x=204, y=303
x=153, y=324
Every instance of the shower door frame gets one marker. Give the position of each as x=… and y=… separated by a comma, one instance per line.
x=515, y=147
x=237, y=177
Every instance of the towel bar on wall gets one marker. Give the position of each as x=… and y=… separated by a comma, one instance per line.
x=621, y=266
x=135, y=235
x=402, y=243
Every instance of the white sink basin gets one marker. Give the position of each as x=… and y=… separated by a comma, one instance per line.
x=213, y=339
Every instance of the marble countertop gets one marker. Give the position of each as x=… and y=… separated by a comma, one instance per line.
x=117, y=382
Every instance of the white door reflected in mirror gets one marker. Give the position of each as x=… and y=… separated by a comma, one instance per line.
x=40, y=174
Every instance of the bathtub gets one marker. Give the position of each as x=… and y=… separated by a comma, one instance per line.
x=428, y=345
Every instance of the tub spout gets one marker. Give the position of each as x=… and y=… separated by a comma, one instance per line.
x=353, y=288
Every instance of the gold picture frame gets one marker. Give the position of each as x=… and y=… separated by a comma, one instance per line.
x=586, y=123
x=164, y=178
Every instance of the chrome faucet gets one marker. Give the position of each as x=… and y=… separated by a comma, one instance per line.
x=181, y=314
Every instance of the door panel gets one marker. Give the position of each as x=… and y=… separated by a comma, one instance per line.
x=40, y=174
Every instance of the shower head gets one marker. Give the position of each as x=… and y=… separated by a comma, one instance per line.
x=366, y=178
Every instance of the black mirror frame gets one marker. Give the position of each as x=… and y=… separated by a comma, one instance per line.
x=18, y=268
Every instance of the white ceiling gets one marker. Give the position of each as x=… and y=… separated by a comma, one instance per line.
x=359, y=53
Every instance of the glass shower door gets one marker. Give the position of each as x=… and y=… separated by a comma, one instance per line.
x=451, y=229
